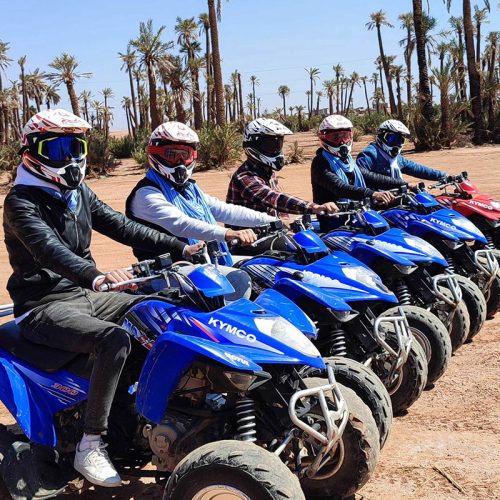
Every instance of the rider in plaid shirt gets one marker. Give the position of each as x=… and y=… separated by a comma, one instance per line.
x=255, y=184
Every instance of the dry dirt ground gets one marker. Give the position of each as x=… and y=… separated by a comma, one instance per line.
x=454, y=428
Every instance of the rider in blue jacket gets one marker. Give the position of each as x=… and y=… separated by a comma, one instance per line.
x=384, y=156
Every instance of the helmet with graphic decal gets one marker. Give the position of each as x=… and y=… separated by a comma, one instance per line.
x=172, y=152
x=263, y=142
x=391, y=136
x=335, y=135
x=54, y=147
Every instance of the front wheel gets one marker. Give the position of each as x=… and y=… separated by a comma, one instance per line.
x=233, y=470
x=360, y=452
x=493, y=304
x=475, y=302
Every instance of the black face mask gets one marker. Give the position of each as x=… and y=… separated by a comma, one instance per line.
x=73, y=176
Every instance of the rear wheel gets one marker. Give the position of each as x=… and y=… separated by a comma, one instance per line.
x=360, y=448
x=232, y=470
x=475, y=302
x=368, y=387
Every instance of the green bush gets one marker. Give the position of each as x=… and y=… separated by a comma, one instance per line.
x=295, y=153
x=121, y=147
x=9, y=156
x=139, y=153
x=368, y=123
x=219, y=146
x=100, y=159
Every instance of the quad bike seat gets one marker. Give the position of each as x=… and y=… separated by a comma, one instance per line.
x=42, y=357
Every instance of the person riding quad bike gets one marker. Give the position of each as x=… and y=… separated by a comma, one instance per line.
x=335, y=176
x=255, y=183
x=49, y=215
x=168, y=199
x=384, y=155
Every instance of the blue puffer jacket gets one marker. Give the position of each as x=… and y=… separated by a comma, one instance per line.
x=372, y=158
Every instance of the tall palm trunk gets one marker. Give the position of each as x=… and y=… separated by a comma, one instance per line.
x=6, y=123
x=134, y=102
x=254, y=102
x=25, y=95
x=311, y=97
x=127, y=112
x=347, y=98
x=398, y=89
x=73, y=99
x=474, y=76
x=284, y=105
x=240, y=92
x=219, y=85
x=208, y=59
x=153, y=99
x=350, y=97
x=317, y=106
x=461, y=69
x=381, y=81
x=425, y=101
x=198, y=114
x=491, y=80
x=338, y=93
x=408, y=54
x=387, y=71
x=341, y=98
x=366, y=97
x=445, y=114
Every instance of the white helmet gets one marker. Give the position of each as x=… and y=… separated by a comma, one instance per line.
x=391, y=136
x=172, y=151
x=335, y=135
x=54, y=147
x=263, y=142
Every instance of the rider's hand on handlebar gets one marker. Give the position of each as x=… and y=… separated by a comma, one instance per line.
x=414, y=186
x=383, y=197
x=190, y=250
x=326, y=208
x=244, y=236
x=116, y=276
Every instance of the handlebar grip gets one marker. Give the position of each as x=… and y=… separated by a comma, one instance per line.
x=234, y=242
x=106, y=287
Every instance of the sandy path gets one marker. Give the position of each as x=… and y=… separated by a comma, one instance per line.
x=455, y=427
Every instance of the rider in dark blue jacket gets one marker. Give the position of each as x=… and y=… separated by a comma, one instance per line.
x=384, y=156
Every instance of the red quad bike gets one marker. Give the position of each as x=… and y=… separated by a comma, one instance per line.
x=483, y=210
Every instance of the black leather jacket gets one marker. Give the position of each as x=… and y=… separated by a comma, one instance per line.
x=49, y=245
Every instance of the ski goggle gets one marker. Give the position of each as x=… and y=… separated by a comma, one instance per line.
x=393, y=139
x=60, y=148
x=336, y=138
x=269, y=145
x=174, y=154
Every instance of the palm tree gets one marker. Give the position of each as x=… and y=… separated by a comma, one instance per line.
x=378, y=20
x=126, y=105
x=398, y=71
x=228, y=92
x=236, y=96
x=474, y=74
x=319, y=95
x=457, y=25
x=151, y=50
x=284, y=92
x=339, y=71
x=204, y=24
x=176, y=74
x=65, y=73
x=35, y=87
x=424, y=91
x=363, y=79
x=354, y=79
x=309, y=110
x=22, y=61
x=492, y=81
x=51, y=96
x=107, y=93
x=187, y=38
x=240, y=93
x=443, y=79
x=378, y=63
x=313, y=76
x=409, y=45
x=329, y=86
x=216, y=59
x=129, y=59
x=480, y=17
x=4, y=59
x=300, y=110
x=254, y=81
x=85, y=98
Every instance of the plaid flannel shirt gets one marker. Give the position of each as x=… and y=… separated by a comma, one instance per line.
x=251, y=187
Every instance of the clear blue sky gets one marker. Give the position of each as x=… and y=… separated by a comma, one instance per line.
x=272, y=39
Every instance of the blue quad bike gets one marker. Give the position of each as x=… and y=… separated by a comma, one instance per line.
x=460, y=242
x=409, y=266
x=376, y=332
x=222, y=398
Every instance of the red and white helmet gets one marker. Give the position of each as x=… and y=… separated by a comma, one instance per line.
x=54, y=147
x=263, y=142
x=172, y=151
x=335, y=135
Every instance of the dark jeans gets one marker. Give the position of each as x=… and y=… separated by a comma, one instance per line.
x=85, y=323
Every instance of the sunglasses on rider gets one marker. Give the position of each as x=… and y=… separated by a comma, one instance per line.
x=60, y=148
x=336, y=138
x=394, y=139
x=174, y=154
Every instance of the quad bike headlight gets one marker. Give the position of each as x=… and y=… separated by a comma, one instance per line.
x=453, y=244
x=405, y=269
x=422, y=246
x=283, y=331
x=365, y=276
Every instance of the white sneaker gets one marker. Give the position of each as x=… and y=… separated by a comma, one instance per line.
x=94, y=464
